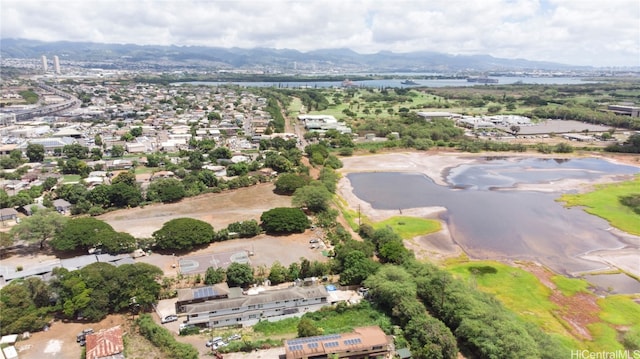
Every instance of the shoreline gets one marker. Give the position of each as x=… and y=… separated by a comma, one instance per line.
x=437, y=166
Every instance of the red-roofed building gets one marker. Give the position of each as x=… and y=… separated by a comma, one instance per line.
x=105, y=344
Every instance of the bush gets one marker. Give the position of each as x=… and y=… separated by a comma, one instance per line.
x=163, y=339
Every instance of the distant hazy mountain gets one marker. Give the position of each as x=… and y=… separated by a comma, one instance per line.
x=215, y=57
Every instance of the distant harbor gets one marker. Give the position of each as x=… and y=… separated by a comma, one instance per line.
x=381, y=83
x=482, y=79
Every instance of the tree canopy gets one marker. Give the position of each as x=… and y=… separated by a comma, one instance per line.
x=183, y=234
x=87, y=233
x=284, y=220
x=314, y=197
x=239, y=275
x=41, y=226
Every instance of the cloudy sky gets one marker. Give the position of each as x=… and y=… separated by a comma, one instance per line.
x=577, y=32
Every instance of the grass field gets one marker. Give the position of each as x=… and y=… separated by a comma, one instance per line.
x=330, y=320
x=410, y=227
x=522, y=292
x=516, y=288
x=604, y=202
x=70, y=179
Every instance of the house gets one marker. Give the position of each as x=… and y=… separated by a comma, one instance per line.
x=7, y=214
x=105, y=344
x=246, y=309
x=61, y=205
x=29, y=209
x=363, y=342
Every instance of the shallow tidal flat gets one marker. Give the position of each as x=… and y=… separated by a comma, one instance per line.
x=501, y=208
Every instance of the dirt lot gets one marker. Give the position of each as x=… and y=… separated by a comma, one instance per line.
x=60, y=340
x=218, y=209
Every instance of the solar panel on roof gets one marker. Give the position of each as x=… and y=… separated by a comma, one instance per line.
x=203, y=292
x=312, y=345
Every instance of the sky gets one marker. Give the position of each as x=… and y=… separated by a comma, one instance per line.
x=575, y=32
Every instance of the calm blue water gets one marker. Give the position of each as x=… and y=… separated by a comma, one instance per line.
x=513, y=224
x=397, y=82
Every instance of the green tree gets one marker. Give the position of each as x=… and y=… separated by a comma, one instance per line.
x=183, y=234
x=277, y=273
x=117, y=151
x=81, y=233
x=166, y=190
x=41, y=226
x=307, y=328
x=284, y=220
x=430, y=338
x=75, y=151
x=288, y=183
x=245, y=229
x=35, y=152
x=96, y=153
x=214, y=275
x=24, y=306
x=357, y=267
x=390, y=284
x=239, y=275
x=122, y=195
x=49, y=183
x=220, y=153
x=293, y=272
x=128, y=178
x=314, y=197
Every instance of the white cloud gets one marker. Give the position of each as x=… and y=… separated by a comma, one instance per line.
x=584, y=32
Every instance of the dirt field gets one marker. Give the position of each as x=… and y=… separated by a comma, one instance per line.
x=218, y=209
x=60, y=340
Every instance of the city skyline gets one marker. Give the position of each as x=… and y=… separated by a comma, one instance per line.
x=561, y=31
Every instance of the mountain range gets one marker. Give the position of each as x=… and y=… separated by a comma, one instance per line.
x=237, y=58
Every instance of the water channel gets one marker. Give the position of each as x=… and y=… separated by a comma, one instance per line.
x=491, y=218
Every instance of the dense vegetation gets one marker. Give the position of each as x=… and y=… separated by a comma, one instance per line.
x=284, y=220
x=163, y=339
x=91, y=292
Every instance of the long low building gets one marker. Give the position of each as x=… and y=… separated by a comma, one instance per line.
x=363, y=342
x=246, y=309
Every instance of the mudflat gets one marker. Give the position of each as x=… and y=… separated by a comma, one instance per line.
x=436, y=166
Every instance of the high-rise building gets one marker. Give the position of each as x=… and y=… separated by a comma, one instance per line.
x=44, y=64
x=56, y=64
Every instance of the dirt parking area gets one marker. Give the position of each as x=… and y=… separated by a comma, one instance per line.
x=59, y=341
x=266, y=250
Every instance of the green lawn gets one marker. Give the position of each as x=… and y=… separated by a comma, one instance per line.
x=70, y=178
x=410, y=227
x=604, y=202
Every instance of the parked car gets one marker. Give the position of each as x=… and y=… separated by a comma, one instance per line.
x=169, y=318
x=234, y=337
x=314, y=240
x=214, y=342
x=186, y=326
x=81, y=337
